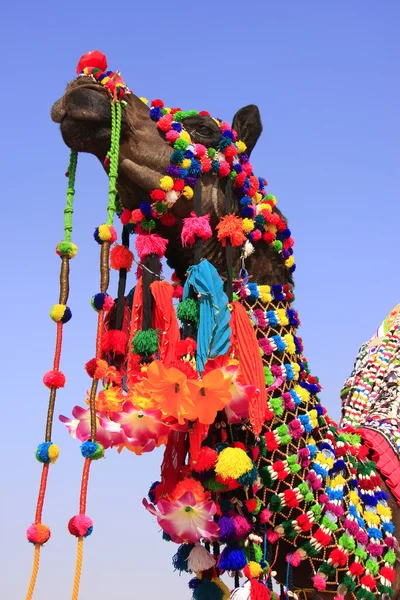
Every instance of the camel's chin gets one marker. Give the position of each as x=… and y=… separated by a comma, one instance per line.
x=86, y=136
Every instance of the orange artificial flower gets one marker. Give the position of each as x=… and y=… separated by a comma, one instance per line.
x=169, y=389
x=110, y=400
x=209, y=395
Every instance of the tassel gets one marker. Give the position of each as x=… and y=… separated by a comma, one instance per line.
x=242, y=593
x=200, y=559
x=259, y=591
x=251, y=371
x=164, y=320
x=174, y=458
x=136, y=324
x=196, y=437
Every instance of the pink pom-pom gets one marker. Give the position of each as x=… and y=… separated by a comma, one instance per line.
x=125, y=216
x=224, y=169
x=247, y=168
x=256, y=235
x=172, y=136
x=272, y=536
x=200, y=150
x=80, y=526
x=225, y=126
x=265, y=515
x=108, y=303
x=319, y=582
x=38, y=533
x=178, y=292
x=150, y=244
x=255, y=451
x=54, y=379
x=339, y=597
x=293, y=559
x=195, y=226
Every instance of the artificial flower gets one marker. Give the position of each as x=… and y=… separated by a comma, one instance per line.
x=79, y=427
x=238, y=407
x=209, y=395
x=141, y=428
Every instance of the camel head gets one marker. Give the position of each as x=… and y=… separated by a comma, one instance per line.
x=84, y=115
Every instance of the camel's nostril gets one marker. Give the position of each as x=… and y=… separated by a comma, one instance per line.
x=58, y=111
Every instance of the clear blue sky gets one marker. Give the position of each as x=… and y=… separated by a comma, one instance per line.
x=325, y=76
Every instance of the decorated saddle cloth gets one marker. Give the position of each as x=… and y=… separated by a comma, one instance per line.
x=371, y=398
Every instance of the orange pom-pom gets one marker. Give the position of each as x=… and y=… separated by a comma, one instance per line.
x=121, y=258
x=231, y=227
x=189, y=485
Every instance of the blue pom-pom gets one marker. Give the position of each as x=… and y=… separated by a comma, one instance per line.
x=67, y=315
x=248, y=478
x=177, y=126
x=177, y=157
x=179, y=560
x=247, y=212
x=97, y=301
x=232, y=559
x=195, y=169
x=183, y=173
x=238, y=168
x=193, y=583
x=151, y=494
x=93, y=450
x=42, y=452
x=214, y=166
x=189, y=154
x=228, y=134
x=155, y=113
x=146, y=209
x=224, y=143
x=245, y=201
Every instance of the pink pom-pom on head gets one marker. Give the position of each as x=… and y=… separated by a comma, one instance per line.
x=319, y=582
x=172, y=135
x=195, y=227
x=224, y=169
x=200, y=150
x=225, y=126
x=265, y=515
x=108, y=303
x=80, y=526
x=256, y=235
x=293, y=559
x=125, y=216
x=54, y=379
x=150, y=244
x=38, y=533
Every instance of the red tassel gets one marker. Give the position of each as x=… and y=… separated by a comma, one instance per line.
x=164, y=319
x=251, y=371
x=174, y=458
x=196, y=437
x=259, y=591
x=114, y=341
x=136, y=324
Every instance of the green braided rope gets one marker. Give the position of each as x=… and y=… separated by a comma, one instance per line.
x=68, y=210
x=113, y=154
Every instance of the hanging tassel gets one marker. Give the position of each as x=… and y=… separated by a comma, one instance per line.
x=251, y=371
x=174, y=458
x=164, y=320
x=136, y=323
x=259, y=591
x=242, y=593
x=200, y=559
x=196, y=437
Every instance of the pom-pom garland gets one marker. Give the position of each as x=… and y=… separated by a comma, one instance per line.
x=92, y=450
x=102, y=301
x=54, y=379
x=47, y=452
x=80, y=526
x=38, y=533
x=66, y=249
x=60, y=313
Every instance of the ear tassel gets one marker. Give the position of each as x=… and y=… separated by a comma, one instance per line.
x=200, y=559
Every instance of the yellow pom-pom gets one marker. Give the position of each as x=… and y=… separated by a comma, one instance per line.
x=144, y=100
x=185, y=164
x=233, y=462
x=265, y=293
x=241, y=147
x=57, y=312
x=272, y=228
x=282, y=316
x=265, y=206
x=255, y=569
x=167, y=110
x=371, y=517
x=384, y=511
x=258, y=197
x=185, y=136
x=54, y=452
x=104, y=233
x=290, y=345
x=289, y=262
x=248, y=225
x=166, y=183
x=188, y=192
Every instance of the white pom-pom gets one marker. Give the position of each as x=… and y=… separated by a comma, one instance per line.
x=241, y=593
x=248, y=249
x=200, y=559
x=171, y=197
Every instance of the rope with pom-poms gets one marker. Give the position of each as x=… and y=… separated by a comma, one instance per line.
x=81, y=525
x=47, y=452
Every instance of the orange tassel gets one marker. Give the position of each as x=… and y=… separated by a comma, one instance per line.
x=251, y=371
x=164, y=319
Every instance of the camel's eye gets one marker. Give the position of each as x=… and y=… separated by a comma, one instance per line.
x=204, y=130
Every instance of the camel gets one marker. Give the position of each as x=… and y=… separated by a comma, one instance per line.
x=84, y=116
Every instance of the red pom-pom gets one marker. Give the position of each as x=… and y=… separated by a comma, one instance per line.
x=291, y=498
x=368, y=581
x=269, y=237
x=240, y=179
x=251, y=505
x=388, y=573
x=356, y=569
x=158, y=195
x=125, y=216
x=168, y=220
x=80, y=526
x=205, y=461
x=165, y=122
x=91, y=367
x=54, y=379
x=206, y=164
x=158, y=103
x=270, y=441
x=338, y=557
x=204, y=113
x=230, y=152
x=179, y=184
x=322, y=537
x=114, y=340
x=178, y=292
x=121, y=258
x=259, y=591
x=38, y=533
x=224, y=169
x=94, y=59
x=247, y=168
x=137, y=216
x=304, y=522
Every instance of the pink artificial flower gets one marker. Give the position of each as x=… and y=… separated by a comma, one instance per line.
x=186, y=520
x=79, y=427
x=238, y=408
x=142, y=428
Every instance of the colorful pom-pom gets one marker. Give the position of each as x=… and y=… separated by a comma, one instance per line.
x=54, y=379
x=231, y=227
x=92, y=450
x=66, y=249
x=233, y=463
x=80, y=526
x=60, y=313
x=145, y=343
x=47, y=452
x=252, y=570
x=166, y=183
x=114, y=341
x=150, y=244
x=121, y=258
x=38, y=533
x=206, y=460
x=105, y=233
x=102, y=301
x=195, y=227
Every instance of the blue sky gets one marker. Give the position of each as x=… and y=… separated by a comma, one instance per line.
x=325, y=76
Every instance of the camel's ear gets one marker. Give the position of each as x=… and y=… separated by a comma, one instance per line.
x=248, y=126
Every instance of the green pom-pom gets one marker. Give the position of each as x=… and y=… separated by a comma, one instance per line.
x=145, y=343
x=189, y=310
x=148, y=224
x=347, y=542
x=276, y=407
x=269, y=378
x=290, y=532
x=211, y=152
x=362, y=594
x=179, y=116
x=316, y=509
x=311, y=551
x=390, y=557
x=372, y=566
x=361, y=553
x=278, y=245
x=328, y=524
x=66, y=249
x=191, y=113
x=275, y=503
x=253, y=552
x=265, y=476
x=214, y=486
x=349, y=583
x=181, y=144
x=328, y=569
x=285, y=440
x=385, y=589
x=161, y=207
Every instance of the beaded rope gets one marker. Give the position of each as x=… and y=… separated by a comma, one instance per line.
x=47, y=452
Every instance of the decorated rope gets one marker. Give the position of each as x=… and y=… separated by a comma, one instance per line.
x=47, y=452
